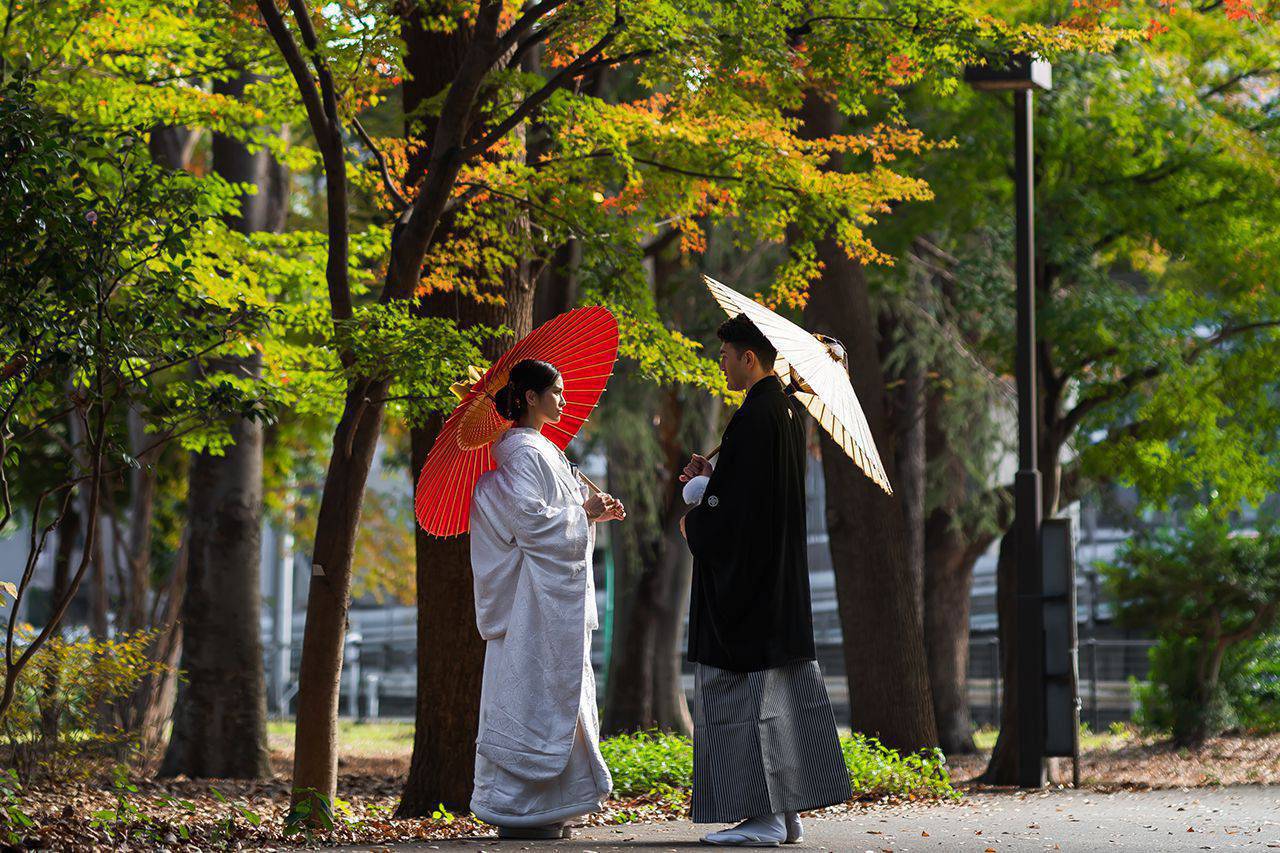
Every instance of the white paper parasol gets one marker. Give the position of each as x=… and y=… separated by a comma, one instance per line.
x=817, y=367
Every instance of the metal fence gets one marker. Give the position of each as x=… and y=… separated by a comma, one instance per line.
x=1106, y=667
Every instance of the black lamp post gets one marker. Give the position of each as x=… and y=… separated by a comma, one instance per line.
x=1022, y=76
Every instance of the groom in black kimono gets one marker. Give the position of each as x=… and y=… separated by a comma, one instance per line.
x=765, y=745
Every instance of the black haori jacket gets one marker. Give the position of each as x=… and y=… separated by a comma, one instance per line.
x=749, y=609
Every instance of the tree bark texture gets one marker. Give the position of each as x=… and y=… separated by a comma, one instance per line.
x=450, y=650
x=878, y=593
x=219, y=728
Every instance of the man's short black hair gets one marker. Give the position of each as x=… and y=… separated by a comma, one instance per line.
x=744, y=335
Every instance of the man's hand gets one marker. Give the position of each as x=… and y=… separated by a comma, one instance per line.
x=698, y=466
x=682, y=533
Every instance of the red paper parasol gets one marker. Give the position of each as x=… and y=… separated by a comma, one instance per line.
x=582, y=344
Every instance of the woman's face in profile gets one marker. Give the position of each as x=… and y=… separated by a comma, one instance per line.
x=549, y=405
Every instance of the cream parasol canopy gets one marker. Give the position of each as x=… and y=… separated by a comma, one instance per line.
x=817, y=370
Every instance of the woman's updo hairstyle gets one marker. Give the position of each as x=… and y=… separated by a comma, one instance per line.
x=528, y=375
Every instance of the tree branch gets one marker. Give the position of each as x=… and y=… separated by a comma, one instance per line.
x=444, y=164
x=293, y=58
x=1127, y=383
x=1237, y=78
x=397, y=197
x=526, y=21
x=534, y=102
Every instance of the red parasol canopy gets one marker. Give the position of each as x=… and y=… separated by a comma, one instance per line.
x=582, y=344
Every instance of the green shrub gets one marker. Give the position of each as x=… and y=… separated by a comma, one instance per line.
x=655, y=763
x=877, y=771
x=648, y=762
x=1208, y=593
x=1258, y=703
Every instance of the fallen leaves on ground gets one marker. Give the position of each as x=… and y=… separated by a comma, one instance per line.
x=1150, y=763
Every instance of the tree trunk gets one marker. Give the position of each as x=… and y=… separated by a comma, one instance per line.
x=99, y=619
x=1002, y=769
x=951, y=550
x=220, y=729
x=652, y=569
x=909, y=427
x=450, y=650
x=315, y=759
x=949, y=560
x=878, y=593
x=142, y=505
x=68, y=536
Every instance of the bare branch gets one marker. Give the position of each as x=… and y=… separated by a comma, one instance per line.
x=401, y=203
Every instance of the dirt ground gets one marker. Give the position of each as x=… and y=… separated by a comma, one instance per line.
x=375, y=763
x=1130, y=761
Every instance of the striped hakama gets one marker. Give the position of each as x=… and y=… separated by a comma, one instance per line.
x=764, y=743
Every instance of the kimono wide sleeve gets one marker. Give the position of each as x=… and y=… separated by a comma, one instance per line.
x=728, y=532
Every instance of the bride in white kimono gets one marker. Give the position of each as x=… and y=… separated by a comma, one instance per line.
x=538, y=759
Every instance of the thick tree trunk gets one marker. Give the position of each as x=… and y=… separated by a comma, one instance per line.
x=653, y=570
x=450, y=667
x=450, y=651
x=950, y=552
x=878, y=593
x=1002, y=769
x=220, y=728
x=949, y=560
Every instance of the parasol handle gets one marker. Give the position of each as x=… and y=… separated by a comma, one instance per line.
x=712, y=454
x=595, y=490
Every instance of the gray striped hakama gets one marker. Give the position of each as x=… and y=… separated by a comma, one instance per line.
x=764, y=743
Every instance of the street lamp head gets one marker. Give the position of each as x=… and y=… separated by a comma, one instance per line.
x=1021, y=72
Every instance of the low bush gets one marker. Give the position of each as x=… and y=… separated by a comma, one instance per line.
x=655, y=763
x=60, y=726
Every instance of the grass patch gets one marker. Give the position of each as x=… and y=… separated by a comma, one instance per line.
x=1116, y=735
x=380, y=739
x=656, y=763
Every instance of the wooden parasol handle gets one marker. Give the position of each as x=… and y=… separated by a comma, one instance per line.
x=595, y=490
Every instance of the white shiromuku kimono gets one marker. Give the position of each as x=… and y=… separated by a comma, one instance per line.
x=538, y=750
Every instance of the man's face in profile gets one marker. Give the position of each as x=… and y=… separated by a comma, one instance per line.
x=737, y=365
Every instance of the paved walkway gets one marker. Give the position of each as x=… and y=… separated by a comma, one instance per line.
x=1232, y=818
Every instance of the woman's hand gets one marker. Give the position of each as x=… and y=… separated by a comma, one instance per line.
x=615, y=511
x=603, y=507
